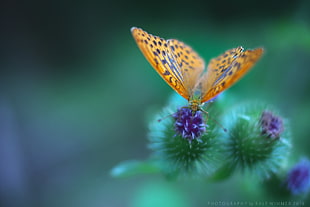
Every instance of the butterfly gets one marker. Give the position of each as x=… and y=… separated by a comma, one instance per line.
x=184, y=70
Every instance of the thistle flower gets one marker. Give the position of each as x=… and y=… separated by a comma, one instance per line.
x=182, y=143
x=272, y=126
x=189, y=125
x=298, y=178
x=248, y=144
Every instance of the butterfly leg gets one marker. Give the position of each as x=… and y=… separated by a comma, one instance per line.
x=207, y=114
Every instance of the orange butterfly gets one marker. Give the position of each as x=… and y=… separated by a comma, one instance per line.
x=184, y=70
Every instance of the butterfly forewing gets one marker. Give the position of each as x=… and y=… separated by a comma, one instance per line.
x=161, y=57
x=190, y=63
x=216, y=68
x=226, y=69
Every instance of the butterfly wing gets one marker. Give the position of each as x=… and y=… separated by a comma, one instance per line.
x=171, y=61
x=227, y=69
x=190, y=63
x=156, y=51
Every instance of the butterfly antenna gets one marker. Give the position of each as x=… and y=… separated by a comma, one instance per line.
x=218, y=123
x=159, y=120
x=215, y=121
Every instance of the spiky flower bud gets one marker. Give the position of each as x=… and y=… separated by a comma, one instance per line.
x=298, y=178
x=183, y=142
x=251, y=142
x=272, y=126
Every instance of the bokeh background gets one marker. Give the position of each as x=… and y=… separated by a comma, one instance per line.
x=76, y=94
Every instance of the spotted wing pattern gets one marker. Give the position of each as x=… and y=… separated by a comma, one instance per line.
x=191, y=64
x=227, y=69
x=174, y=61
x=182, y=68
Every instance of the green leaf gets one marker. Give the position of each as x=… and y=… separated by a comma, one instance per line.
x=134, y=167
x=222, y=173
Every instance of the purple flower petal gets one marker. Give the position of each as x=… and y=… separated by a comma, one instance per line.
x=298, y=179
x=272, y=125
x=190, y=126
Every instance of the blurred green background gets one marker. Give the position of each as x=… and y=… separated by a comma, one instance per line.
x=76, y=94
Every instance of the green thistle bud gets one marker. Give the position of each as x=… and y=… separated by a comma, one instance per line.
x=257, y=139
x=185, y=144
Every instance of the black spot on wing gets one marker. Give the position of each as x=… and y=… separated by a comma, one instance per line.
x=237, y=65
x=166, y=72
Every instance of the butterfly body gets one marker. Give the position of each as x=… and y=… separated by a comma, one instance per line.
x=184, y=70
x=194, y=101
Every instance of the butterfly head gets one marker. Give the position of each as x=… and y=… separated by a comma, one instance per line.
x=194, y=105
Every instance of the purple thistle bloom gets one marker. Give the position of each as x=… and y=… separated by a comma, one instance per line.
x=272, y=125
x=189, y=125
x=298, y=179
